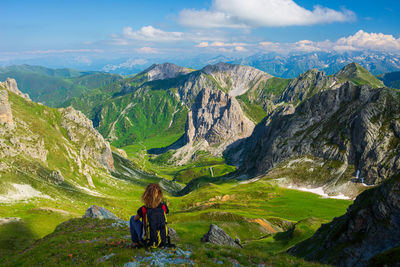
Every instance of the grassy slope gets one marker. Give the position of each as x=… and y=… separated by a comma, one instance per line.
x=41, y=215
x=359, y=76
x=191, y=220
x=253, y=100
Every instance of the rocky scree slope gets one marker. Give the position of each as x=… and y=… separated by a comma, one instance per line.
x=354, y=125
x=369, y=228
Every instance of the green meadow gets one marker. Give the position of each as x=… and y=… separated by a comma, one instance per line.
x=234, y=206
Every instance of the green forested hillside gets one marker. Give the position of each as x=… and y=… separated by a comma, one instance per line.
x=54, y=86
x=391, y=79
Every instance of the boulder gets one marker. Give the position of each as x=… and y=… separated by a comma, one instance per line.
x=97, y=212
x=218, y=236
x=172, y=233
x=57, y=177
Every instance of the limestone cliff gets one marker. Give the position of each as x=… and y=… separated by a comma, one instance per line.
x=214, y=122
x=354, y=125
x=11, y=85
x=5, y=109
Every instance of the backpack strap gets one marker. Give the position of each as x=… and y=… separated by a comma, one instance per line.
x=144, y=212
x=164, y=208
x=145, y=224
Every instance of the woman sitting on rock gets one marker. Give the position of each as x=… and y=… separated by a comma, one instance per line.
x=152, y=231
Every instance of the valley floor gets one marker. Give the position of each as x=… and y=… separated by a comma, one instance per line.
x=267, y=219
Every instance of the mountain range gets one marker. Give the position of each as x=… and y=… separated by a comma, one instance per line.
x=277, y=64
x=214, y=138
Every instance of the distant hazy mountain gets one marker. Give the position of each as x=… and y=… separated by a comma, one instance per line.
x=292, y=65
x=279, y=65
x=54, y=86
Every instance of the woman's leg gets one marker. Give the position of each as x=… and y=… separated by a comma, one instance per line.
x=136, y=229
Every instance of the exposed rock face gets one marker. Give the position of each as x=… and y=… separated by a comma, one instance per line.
x=307, y=84
x=164, y=71
x=57, y=177
x=350, y=124
x=80, y=130
x=237, y=79
x=5, y=109
x=191, y=86
x=215, y=117
x=11, y=85
x=215, y=121
x=218, y=236
x=101, y=213
x=371, y=226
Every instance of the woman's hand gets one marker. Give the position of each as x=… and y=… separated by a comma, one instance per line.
x=137, y=217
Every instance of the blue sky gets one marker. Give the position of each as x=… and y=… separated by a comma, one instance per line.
x=111, y=29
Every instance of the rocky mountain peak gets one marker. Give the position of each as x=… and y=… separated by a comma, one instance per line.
x=214, y=122
x=307, y=84
x=165, y=71
x=236, y=79
x=350, y=124
x=357, y=74
x=11, y=85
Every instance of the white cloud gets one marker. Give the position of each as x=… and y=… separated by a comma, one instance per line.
x=147, y=50
x=203, y=44
x=240, y=49
x=220, y=44
x=148, y=33
x=207, y=19
x=372, y=41
x=127, y=64
x=357, y=42
x=260, y=13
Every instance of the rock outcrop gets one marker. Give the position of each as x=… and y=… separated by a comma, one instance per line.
x=370, y=227
x=101, y=213
x=5, y=109
x=57, y=177
x=214, y=122
x=218, y=236
x=350, y=124
x=11, y=85
x=92, y=144
x=164, y=71
x=306, y=85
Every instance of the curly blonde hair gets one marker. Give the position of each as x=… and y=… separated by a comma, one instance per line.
x=153, y=196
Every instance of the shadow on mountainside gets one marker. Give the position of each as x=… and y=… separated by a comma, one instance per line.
x=14, y=236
